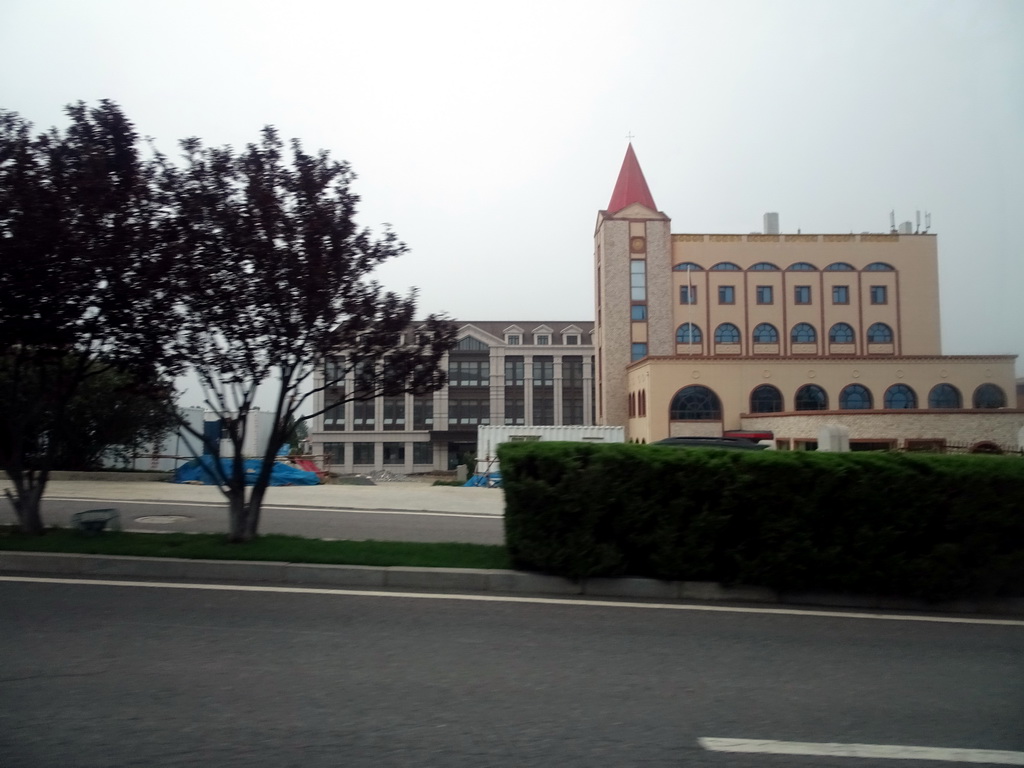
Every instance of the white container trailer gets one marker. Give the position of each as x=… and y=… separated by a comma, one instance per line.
x=488, y=438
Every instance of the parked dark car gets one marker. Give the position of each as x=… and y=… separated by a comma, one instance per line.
x=730, y=443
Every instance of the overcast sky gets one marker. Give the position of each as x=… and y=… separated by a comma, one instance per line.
x=489, y=135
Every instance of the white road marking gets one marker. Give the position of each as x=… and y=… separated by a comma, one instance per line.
x=512, y=599
x=872, y=751
x=293, y=508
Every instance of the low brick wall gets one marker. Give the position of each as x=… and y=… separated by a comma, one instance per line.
x=1001, y=426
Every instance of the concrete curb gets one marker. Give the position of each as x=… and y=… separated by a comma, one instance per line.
x=457, y=580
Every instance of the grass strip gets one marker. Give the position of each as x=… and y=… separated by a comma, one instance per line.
x=271, y=547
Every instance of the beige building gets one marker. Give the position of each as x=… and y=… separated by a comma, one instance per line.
x=702, y=334
x=499, y=373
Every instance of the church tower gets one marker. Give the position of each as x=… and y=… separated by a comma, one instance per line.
x=633, y=312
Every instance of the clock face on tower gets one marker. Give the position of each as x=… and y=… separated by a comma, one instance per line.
x=637, y=245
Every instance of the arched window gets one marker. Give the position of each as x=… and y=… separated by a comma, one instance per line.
x=880, y=333
x=840, y=266
x=989, y=396
x=811, y=397
x=764, y=266
x=765, y=399
x=687, y=266
x=855, y=397
x=765, y=333
x=879, y=266
x=696, y=403
x=688, y=333
x=725, y=266
x=840, y=333
x=900, y=396
x=945, y=396
x=727, y=333
x=801, y=266
x=804, y=333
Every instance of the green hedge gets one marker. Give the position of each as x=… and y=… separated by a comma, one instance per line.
x=926, y=526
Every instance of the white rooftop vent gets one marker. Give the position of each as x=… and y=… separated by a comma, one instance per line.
x=907, y=228
x=771, y=223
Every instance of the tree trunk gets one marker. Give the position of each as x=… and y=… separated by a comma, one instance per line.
x=238, y=515
x=26, y=500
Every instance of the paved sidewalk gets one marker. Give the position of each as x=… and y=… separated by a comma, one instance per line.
x=413, y=496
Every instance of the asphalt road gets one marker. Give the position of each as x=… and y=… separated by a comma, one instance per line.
x=111, y=676
x=313, y=522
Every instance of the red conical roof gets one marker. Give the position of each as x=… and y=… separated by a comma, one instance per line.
x=631, y=186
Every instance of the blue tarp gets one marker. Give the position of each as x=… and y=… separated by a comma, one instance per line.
x=489, y=480
x=201, y=470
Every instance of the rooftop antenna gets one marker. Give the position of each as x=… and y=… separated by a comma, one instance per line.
x=927, y=221
x=918, y=231
x=892, y=220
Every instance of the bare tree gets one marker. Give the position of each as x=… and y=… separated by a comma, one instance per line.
x=273, y=278
x=83, y=280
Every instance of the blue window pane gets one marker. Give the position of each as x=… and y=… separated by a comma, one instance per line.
x=765, y=399
x=900, y=396
x=945, y=396
x=880, y=333
x=688, y=333
x=989, y=396
x=639, y=351
x=765, y=333
x=841, y=333
x=727, y=333
x=804, y=333
x=855, y=397
x=811, y=397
